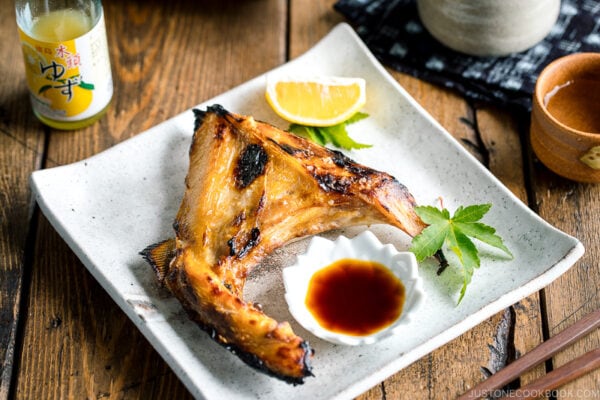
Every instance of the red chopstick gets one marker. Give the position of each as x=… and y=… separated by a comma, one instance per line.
x=541, y=353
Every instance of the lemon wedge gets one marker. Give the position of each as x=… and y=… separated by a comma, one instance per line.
x=323, y=101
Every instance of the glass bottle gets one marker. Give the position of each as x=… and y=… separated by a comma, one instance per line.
x=66, y=58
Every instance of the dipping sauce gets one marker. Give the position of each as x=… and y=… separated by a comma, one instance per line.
x=576, y=104
x=355, y=297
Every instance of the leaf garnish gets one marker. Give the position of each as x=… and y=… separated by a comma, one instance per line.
x=455, y=233
x=336, y=135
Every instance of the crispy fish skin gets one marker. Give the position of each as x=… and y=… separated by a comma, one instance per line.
x=250, y=189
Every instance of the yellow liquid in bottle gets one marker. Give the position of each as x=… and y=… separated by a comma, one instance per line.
x=58, y=26
x=61, y=25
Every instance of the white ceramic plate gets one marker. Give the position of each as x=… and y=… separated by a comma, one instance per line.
x=112, y=205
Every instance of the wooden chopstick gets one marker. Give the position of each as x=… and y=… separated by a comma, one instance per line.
x=541, y=353
x=558, y=377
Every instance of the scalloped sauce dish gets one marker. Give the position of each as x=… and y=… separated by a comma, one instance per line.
x=352, y=291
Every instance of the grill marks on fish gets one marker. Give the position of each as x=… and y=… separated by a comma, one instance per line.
x=250, y=165
x=241, y=244
x=356, y=174
x=332, y=183
x=250, y=189
x=291, y=150
x=199, y=116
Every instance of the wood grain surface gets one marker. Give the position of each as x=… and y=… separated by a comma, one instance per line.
x=21, y=152
x=62, y=337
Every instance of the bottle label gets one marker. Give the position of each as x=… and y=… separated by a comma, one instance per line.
x=69, y=80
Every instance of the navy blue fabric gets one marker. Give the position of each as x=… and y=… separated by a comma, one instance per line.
x=393, y=32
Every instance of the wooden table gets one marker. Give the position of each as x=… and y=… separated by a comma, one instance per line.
x=62, y=337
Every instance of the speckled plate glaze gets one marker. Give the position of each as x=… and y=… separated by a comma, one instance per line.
x=111, y=206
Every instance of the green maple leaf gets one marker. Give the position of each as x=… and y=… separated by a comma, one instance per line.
x=455, y=233
x=337, y=135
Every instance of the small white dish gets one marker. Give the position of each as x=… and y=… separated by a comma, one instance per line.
x=322, y=252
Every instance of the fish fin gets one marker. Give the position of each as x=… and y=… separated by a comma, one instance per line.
x=159, y=256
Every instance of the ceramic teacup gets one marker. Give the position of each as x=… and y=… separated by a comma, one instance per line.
x=565, y=117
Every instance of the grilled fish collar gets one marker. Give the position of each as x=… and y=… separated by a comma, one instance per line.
x=250, y=189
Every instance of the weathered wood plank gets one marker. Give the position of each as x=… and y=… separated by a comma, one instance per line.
x=573, y=208
x=21, y=150
x=166, y=57
x=502, y=135
x=310, y=23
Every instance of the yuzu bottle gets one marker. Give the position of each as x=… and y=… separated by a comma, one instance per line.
x=67, y=64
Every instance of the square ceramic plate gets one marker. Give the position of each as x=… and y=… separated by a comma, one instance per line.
x=111, y=206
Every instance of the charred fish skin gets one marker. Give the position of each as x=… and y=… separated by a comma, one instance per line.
x=200, y=114
x=250, y=165
x=159, y=257
x=250, y=189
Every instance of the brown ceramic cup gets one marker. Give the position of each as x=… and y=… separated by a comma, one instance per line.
x=565, y=117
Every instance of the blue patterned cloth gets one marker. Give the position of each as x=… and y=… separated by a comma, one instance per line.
x=393, y=32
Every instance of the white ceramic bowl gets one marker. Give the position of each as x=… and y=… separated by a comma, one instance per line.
x=322, y=252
